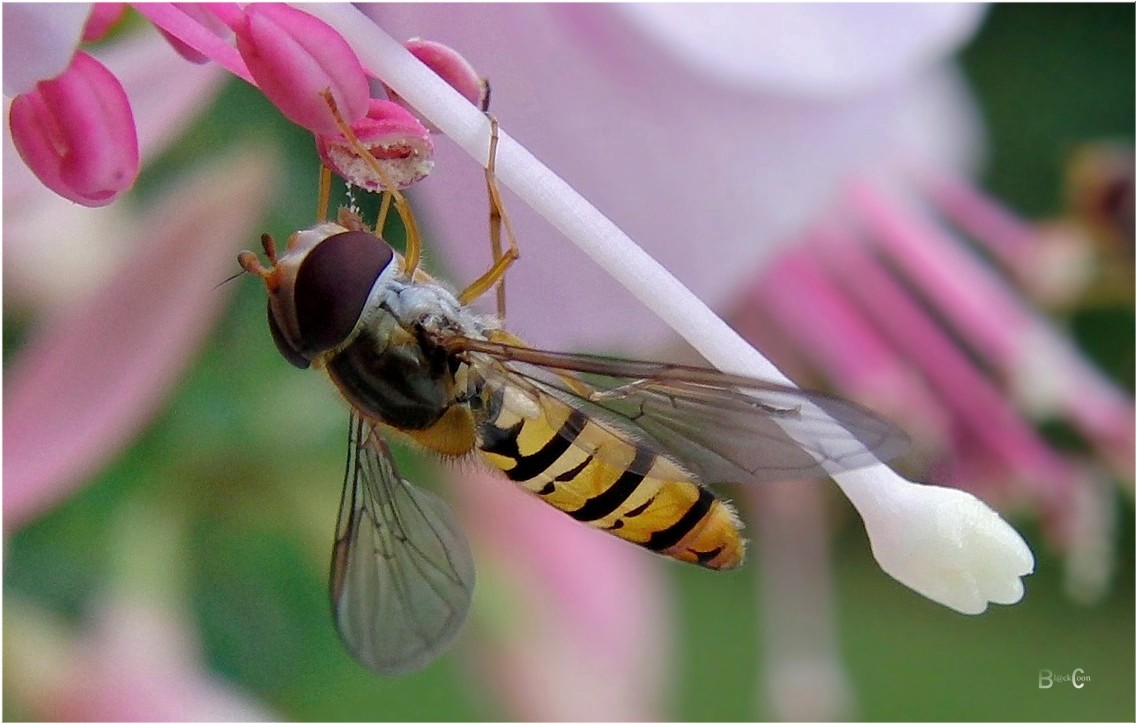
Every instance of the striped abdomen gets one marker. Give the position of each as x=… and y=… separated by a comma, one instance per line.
x=603, y=477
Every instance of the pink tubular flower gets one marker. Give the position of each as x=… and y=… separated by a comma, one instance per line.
x=393, y=136
x=1047, y=374
x=76, y=132
x=1079, y=259
x=838, y=342
x=294, y=57
x=73, y=124
x=984, y=362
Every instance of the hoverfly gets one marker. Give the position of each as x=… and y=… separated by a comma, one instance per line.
x=623, y=446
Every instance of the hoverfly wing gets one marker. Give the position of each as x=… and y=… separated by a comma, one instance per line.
x=402, y=573
x=763, y=433
x=725, y=428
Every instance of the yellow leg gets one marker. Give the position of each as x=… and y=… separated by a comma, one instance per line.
x=485, y=282
x=381, y=219
x=497, y=219
x=325, y=193
x=495, y=212
x=414, y=242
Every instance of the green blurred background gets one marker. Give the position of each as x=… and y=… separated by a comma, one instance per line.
x=247, y=510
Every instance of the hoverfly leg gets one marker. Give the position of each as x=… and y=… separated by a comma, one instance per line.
x=324, y=193
x=485, y=282
x=495, y=211
x=381, y=219
x=414, y=241
x=497, y=219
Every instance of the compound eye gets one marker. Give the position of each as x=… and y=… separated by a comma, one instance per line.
x=332, y=286
x=290, y=353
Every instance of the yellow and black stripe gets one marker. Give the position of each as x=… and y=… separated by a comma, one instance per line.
x=602, y=476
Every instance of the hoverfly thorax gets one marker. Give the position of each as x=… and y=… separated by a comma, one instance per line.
x=318, y=289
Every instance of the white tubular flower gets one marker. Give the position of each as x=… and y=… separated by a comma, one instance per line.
x=943, y=543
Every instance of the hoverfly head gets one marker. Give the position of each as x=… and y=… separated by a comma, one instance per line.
x=319, y=287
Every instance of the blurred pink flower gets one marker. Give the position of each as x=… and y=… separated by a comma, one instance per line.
x=756, y=159
x=753, y=127
x=1084, y=257
x=709, y=176
x=798, y=631
x=135, y=661
x=983, y=365
x=134, y=655
x=91, y=373
x=115, y=306
x=85, y=383
x=562, y=610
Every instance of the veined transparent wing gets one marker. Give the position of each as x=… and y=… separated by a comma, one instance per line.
x=402, y=573
x=725, y=428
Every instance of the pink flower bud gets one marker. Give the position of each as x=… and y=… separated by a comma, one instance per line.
x=451, y=67
x=76, y=133
x=294, y=57
x=390, y=133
